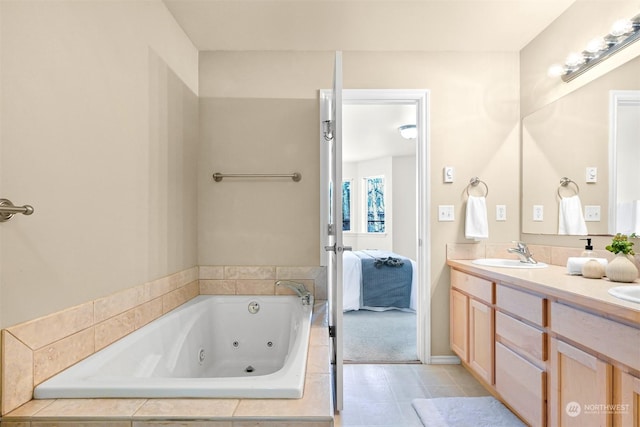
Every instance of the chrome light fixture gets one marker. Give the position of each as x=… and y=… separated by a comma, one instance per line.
x=622, y=34
x=408, y=131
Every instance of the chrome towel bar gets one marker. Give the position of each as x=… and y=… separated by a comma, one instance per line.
x=8, y=210
x=296, y=176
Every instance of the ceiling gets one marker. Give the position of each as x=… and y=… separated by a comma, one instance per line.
x=370, y=131
x=365, y=25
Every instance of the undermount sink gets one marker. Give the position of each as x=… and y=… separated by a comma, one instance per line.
x=628, y=292
x=507, y=263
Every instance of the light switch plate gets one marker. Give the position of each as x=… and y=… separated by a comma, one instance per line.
x=538, y=212
x=501, y=212
x=445, y=213
x=591, y=174
x=448, y=173
x=592, y=213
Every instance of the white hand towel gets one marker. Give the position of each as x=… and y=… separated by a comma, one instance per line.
x=575, y=264
x=570, y=218
x=476, y=223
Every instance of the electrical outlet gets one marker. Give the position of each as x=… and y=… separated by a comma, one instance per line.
x=501, y=212
x=592, y=213
x=445, y=213
x=538, y=213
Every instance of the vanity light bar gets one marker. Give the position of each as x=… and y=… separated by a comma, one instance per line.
x=623, y=33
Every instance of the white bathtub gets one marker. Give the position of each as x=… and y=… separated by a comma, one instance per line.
x=212, y=346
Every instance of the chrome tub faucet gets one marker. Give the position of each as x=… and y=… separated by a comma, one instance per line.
x=523, y=253
x=299, y=289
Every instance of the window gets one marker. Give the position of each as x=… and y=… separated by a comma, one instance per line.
x=346, y=205
x=375, y=204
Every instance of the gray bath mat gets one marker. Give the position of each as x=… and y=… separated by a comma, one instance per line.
x=483, y=411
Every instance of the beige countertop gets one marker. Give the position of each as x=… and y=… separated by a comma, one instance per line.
x=555, y=282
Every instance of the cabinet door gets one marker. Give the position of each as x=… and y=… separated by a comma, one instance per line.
x=581, y=388
x=626, y=389
x=459, y=324
x=481, y=339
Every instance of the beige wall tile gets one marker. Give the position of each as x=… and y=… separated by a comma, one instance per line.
x=17, y=373
x=182, y=424
x=70, y=408
x=58, y=356
x=301, y=422
x=16, y=424
x=466, y=250
x=157, y=288
x=187, y=408
x=29, y=409
x=178, y=297
x=255, y=287
x=316, y=402
x=114, y=328
x=147, y=312
x=217, y=287
x=299, y=272
x=211, y=272
x=117, y=303
x=44, y=330
x=319, y=359
x=249, y=272
x=111, y=423
x=187, y=276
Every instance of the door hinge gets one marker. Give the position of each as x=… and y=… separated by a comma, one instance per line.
x=331, y=229
x=332, y=331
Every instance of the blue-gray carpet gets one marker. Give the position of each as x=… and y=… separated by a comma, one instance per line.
x=379, y=336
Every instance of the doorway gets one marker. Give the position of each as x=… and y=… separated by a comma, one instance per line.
x=418, y=101
x=380, y=221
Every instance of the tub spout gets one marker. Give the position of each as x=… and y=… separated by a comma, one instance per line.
x=299, y=289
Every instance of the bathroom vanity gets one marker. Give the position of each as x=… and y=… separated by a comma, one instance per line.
x=556, y=349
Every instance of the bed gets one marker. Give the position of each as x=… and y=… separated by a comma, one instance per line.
x=378, y=280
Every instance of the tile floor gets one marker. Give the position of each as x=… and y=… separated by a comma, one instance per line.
x=380, y=395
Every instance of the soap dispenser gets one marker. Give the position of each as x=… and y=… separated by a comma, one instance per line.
x=588, y=249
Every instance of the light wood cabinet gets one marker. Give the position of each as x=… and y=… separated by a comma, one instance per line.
x=472, y=323
x=459, y=321
x=626, y=398
x=553, y=361
x=481, y=339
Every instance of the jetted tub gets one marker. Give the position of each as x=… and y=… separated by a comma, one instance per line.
x=211, y=346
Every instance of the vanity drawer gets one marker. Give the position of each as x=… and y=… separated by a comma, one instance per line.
x=475, y=286
x=529, y=340
x=523, y=304
x=605, y=336
x=522, y=385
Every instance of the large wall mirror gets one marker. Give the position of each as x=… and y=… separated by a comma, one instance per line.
x=592, y=137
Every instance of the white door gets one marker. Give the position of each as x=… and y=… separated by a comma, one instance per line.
x=331, y=152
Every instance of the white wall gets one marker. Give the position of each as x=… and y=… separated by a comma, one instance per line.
x=99, y=134
x=404, y=206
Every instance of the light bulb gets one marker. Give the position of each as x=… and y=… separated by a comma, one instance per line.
x=596, y=45
x=574, y=59
x=621, y=27
x=556, y=70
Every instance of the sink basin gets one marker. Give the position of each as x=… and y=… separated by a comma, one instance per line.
x=507, y=263
x=628, y=292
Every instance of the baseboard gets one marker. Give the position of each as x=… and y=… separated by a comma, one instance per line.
x=445, y=360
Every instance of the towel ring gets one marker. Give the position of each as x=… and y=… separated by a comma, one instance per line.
x=564, y=182
x=473, y=182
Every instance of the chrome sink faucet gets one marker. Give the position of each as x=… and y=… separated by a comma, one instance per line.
x=299, y=289
x=523, y=253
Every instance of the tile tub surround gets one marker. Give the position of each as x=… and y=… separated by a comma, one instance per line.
x=38, y=349
x=313, y=410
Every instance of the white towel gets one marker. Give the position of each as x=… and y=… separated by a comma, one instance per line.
x=476, y=224
x=575, y=264
x=570, y=219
